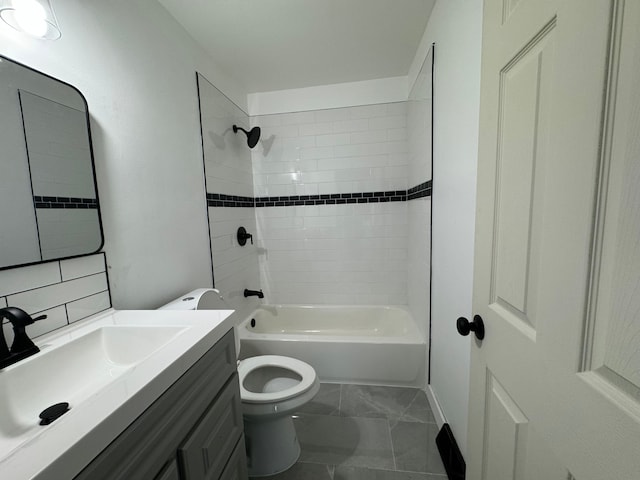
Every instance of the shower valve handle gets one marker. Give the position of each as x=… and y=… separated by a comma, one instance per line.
x=243, y=236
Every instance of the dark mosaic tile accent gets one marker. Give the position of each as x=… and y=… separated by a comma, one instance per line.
x=67, y=203
x=221, y=200
x=419, y=191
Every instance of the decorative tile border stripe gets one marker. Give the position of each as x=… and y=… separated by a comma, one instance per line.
x=333, y=199
x=419, y=191
x=65, y=202
x=222, y=200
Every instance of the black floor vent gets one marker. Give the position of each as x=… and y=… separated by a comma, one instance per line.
x=450, y=454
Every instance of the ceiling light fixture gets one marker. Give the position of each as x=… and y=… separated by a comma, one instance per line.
x=33, y=17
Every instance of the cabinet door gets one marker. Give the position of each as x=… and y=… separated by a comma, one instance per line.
x=236, y=468
x=170, y=472
x=141, y=450
x=205, y=453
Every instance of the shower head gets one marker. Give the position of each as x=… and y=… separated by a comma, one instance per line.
x=252, y=136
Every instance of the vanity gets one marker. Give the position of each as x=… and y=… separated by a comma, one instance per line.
x=152, y=394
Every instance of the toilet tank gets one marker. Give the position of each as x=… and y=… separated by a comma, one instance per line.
x=203, y=299
x=200, y=299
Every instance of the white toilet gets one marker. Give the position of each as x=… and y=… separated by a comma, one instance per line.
x=271, y=388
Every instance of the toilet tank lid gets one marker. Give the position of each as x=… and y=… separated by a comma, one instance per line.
x=199, y=299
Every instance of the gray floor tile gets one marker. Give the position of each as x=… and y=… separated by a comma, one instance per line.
x=326, y=402
x=394, y=403
x=347, y=441
x=414, y=447
x=304, y=471
x=354, y=473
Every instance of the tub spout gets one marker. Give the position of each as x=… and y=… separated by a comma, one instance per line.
x=253, y=293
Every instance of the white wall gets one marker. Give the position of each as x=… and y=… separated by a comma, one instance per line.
x=136, y=67
x=455, y=27
x=339, y=253
x=349, y=94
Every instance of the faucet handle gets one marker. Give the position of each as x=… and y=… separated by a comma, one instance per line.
x=41, y=317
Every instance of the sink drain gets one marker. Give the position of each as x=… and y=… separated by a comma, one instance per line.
x=54, y=412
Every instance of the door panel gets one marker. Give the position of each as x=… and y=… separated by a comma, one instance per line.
x=524, y=98
x=554, y=385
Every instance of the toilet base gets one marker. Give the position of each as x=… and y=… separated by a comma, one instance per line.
x=272, y=445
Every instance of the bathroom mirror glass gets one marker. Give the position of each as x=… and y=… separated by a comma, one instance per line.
x=48, y=196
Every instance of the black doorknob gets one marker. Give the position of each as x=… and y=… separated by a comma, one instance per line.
x=477, y=326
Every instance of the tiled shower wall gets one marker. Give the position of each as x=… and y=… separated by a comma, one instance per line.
x=66, y=291
x=228, y=171
x=335, y=253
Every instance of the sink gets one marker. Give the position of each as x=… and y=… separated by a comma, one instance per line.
x=74, y=371
x=110, y=368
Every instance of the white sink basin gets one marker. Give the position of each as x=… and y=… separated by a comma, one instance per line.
x=109, y=368
x=74, y=371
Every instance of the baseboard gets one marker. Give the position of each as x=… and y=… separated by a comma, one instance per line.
x=435, y=407
x=450, y=454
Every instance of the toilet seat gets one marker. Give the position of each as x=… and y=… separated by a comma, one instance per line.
x=304, y=370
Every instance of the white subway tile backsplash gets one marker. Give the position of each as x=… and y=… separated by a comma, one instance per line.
x=383, y=123
x=81, y=277
x=85, y=307
x=81, y=267
x=397, y=134
x=369, y=137
x=34, y=301
x=323, y=128
x=331, y=140
x=27, y=278
x=343, y=253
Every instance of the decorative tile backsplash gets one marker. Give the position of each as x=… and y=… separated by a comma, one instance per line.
x=66, y=291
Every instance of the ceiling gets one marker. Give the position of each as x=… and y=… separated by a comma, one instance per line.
x=281, y=44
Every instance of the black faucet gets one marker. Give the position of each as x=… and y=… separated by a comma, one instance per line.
x=22, y=346
x=253, y=293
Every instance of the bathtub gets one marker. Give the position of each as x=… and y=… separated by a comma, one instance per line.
x=345, y=344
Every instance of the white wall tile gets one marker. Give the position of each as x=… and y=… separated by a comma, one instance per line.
x=88, y=306
x=27, y=278
x=55, y=298
x=34, y=301
x=83, y=266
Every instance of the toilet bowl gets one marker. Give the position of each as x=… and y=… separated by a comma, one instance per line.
x=271, y=388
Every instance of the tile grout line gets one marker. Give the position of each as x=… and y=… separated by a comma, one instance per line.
x=393, y=452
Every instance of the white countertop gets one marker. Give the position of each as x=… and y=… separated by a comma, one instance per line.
x=62, y=449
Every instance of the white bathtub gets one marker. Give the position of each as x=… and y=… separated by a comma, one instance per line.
x=345, y=344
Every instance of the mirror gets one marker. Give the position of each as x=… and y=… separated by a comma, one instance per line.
x=49, y=206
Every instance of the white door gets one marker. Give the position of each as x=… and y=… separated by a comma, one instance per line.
x=555, y=385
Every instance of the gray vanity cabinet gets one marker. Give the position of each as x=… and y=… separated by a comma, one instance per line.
x=192, y=432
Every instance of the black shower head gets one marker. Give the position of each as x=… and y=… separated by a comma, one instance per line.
x=252, y=136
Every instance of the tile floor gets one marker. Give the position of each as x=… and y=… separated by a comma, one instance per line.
x=357, y=432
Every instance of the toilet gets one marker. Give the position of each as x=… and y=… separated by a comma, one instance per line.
x=272, y=387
